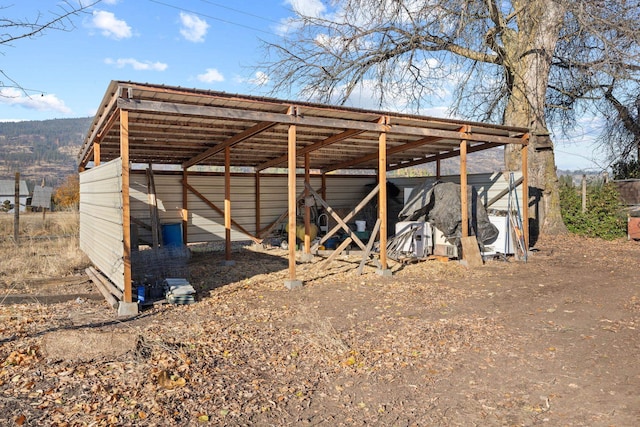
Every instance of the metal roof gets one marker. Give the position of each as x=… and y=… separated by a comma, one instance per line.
x=180, y=126
x=7, y=188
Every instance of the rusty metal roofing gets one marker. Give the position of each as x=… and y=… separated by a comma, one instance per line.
x=179, y=126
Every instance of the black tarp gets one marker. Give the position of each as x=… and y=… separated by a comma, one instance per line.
x=439, y=204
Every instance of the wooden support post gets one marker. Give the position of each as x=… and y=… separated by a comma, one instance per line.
x=257, y=202
x=307, y=209
x=382, y=202
x=156, y=235
x=96, y=154
x=227, y=206
x=525, y=192
x=438, y=167
x=464, y=206
x=291, y=187
x=185, y=206
x=470, y=249
x=126, y=207
x=16, y=210
x=323, y=186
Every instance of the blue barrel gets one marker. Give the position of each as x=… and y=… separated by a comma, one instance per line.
x=172, y=234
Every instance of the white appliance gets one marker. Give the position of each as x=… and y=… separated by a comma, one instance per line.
x=441, y=246
x=504, y=243
x=418, y=243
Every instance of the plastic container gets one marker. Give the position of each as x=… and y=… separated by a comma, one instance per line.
x=361, y=226
x=172, y=234
x=331, y=243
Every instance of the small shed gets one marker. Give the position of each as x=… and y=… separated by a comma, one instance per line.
x=7, y=193
x=233, y=166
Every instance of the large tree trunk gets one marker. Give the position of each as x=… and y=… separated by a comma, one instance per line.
x=528, y=61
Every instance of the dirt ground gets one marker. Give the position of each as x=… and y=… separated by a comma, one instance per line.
x=550, y=342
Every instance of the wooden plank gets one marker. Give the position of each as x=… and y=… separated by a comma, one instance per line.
x=367, y=251
x=153, y=209
x=111, y=300
x=221, y=213
x=96, y=154
x=239, y=114
x=350, y=215
x=323, y=265
x=110, y=287
x=464, y=204
x=442, y=156
x=292, y=203
x=471, y=251
x=390, y=151
x=525, y=192
x=339, y=220
x=227, y=203
x=126, y=206
x=185, y=207
x=236, y=139
x=382, y=198
x=307, y=209
x=316, y=146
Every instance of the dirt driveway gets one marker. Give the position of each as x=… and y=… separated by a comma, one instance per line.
x=551, y=342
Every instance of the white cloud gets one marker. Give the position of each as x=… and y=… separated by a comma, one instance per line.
x=313, y=8
x=136, y=65
x=260, y=79
x=48, y=102
x=193, y=28
x=110, y=25
x=212, y=75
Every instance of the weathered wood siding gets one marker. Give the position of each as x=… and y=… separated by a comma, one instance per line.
x=101, y=232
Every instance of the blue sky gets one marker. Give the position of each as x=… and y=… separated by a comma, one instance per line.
x=189, y=43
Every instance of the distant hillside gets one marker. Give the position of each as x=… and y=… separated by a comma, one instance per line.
x=44, y=149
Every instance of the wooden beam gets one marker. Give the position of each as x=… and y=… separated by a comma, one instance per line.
x=307, y=209
x=367, y=251
x=256, y=184
x=126, y=206
x=291, y=195
x=341, y=223
x=248, y=115
x=309, y=148
x=442, y=156
x=525, y=192
x=227, y=203
x=221, y=213
x=185, y=207
x=300, y=120
x=96, y=154
x=236, y=139
x=464, y=205
x=382, y=198
x=390, y=151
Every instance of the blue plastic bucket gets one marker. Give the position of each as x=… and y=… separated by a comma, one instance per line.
x=172, y=234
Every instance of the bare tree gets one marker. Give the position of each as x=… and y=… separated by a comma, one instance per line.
x=13, y=29
x=509, y=59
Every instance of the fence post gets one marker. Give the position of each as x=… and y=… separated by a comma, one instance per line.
x=584, y=193
x=16, y=210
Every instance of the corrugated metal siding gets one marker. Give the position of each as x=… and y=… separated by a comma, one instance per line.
x=101, y=233
x=206, y=225
x=488, y=185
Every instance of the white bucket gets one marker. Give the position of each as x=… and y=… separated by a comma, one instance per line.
x=361, y=226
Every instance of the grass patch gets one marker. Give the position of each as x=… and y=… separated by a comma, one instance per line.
x=46, y=248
